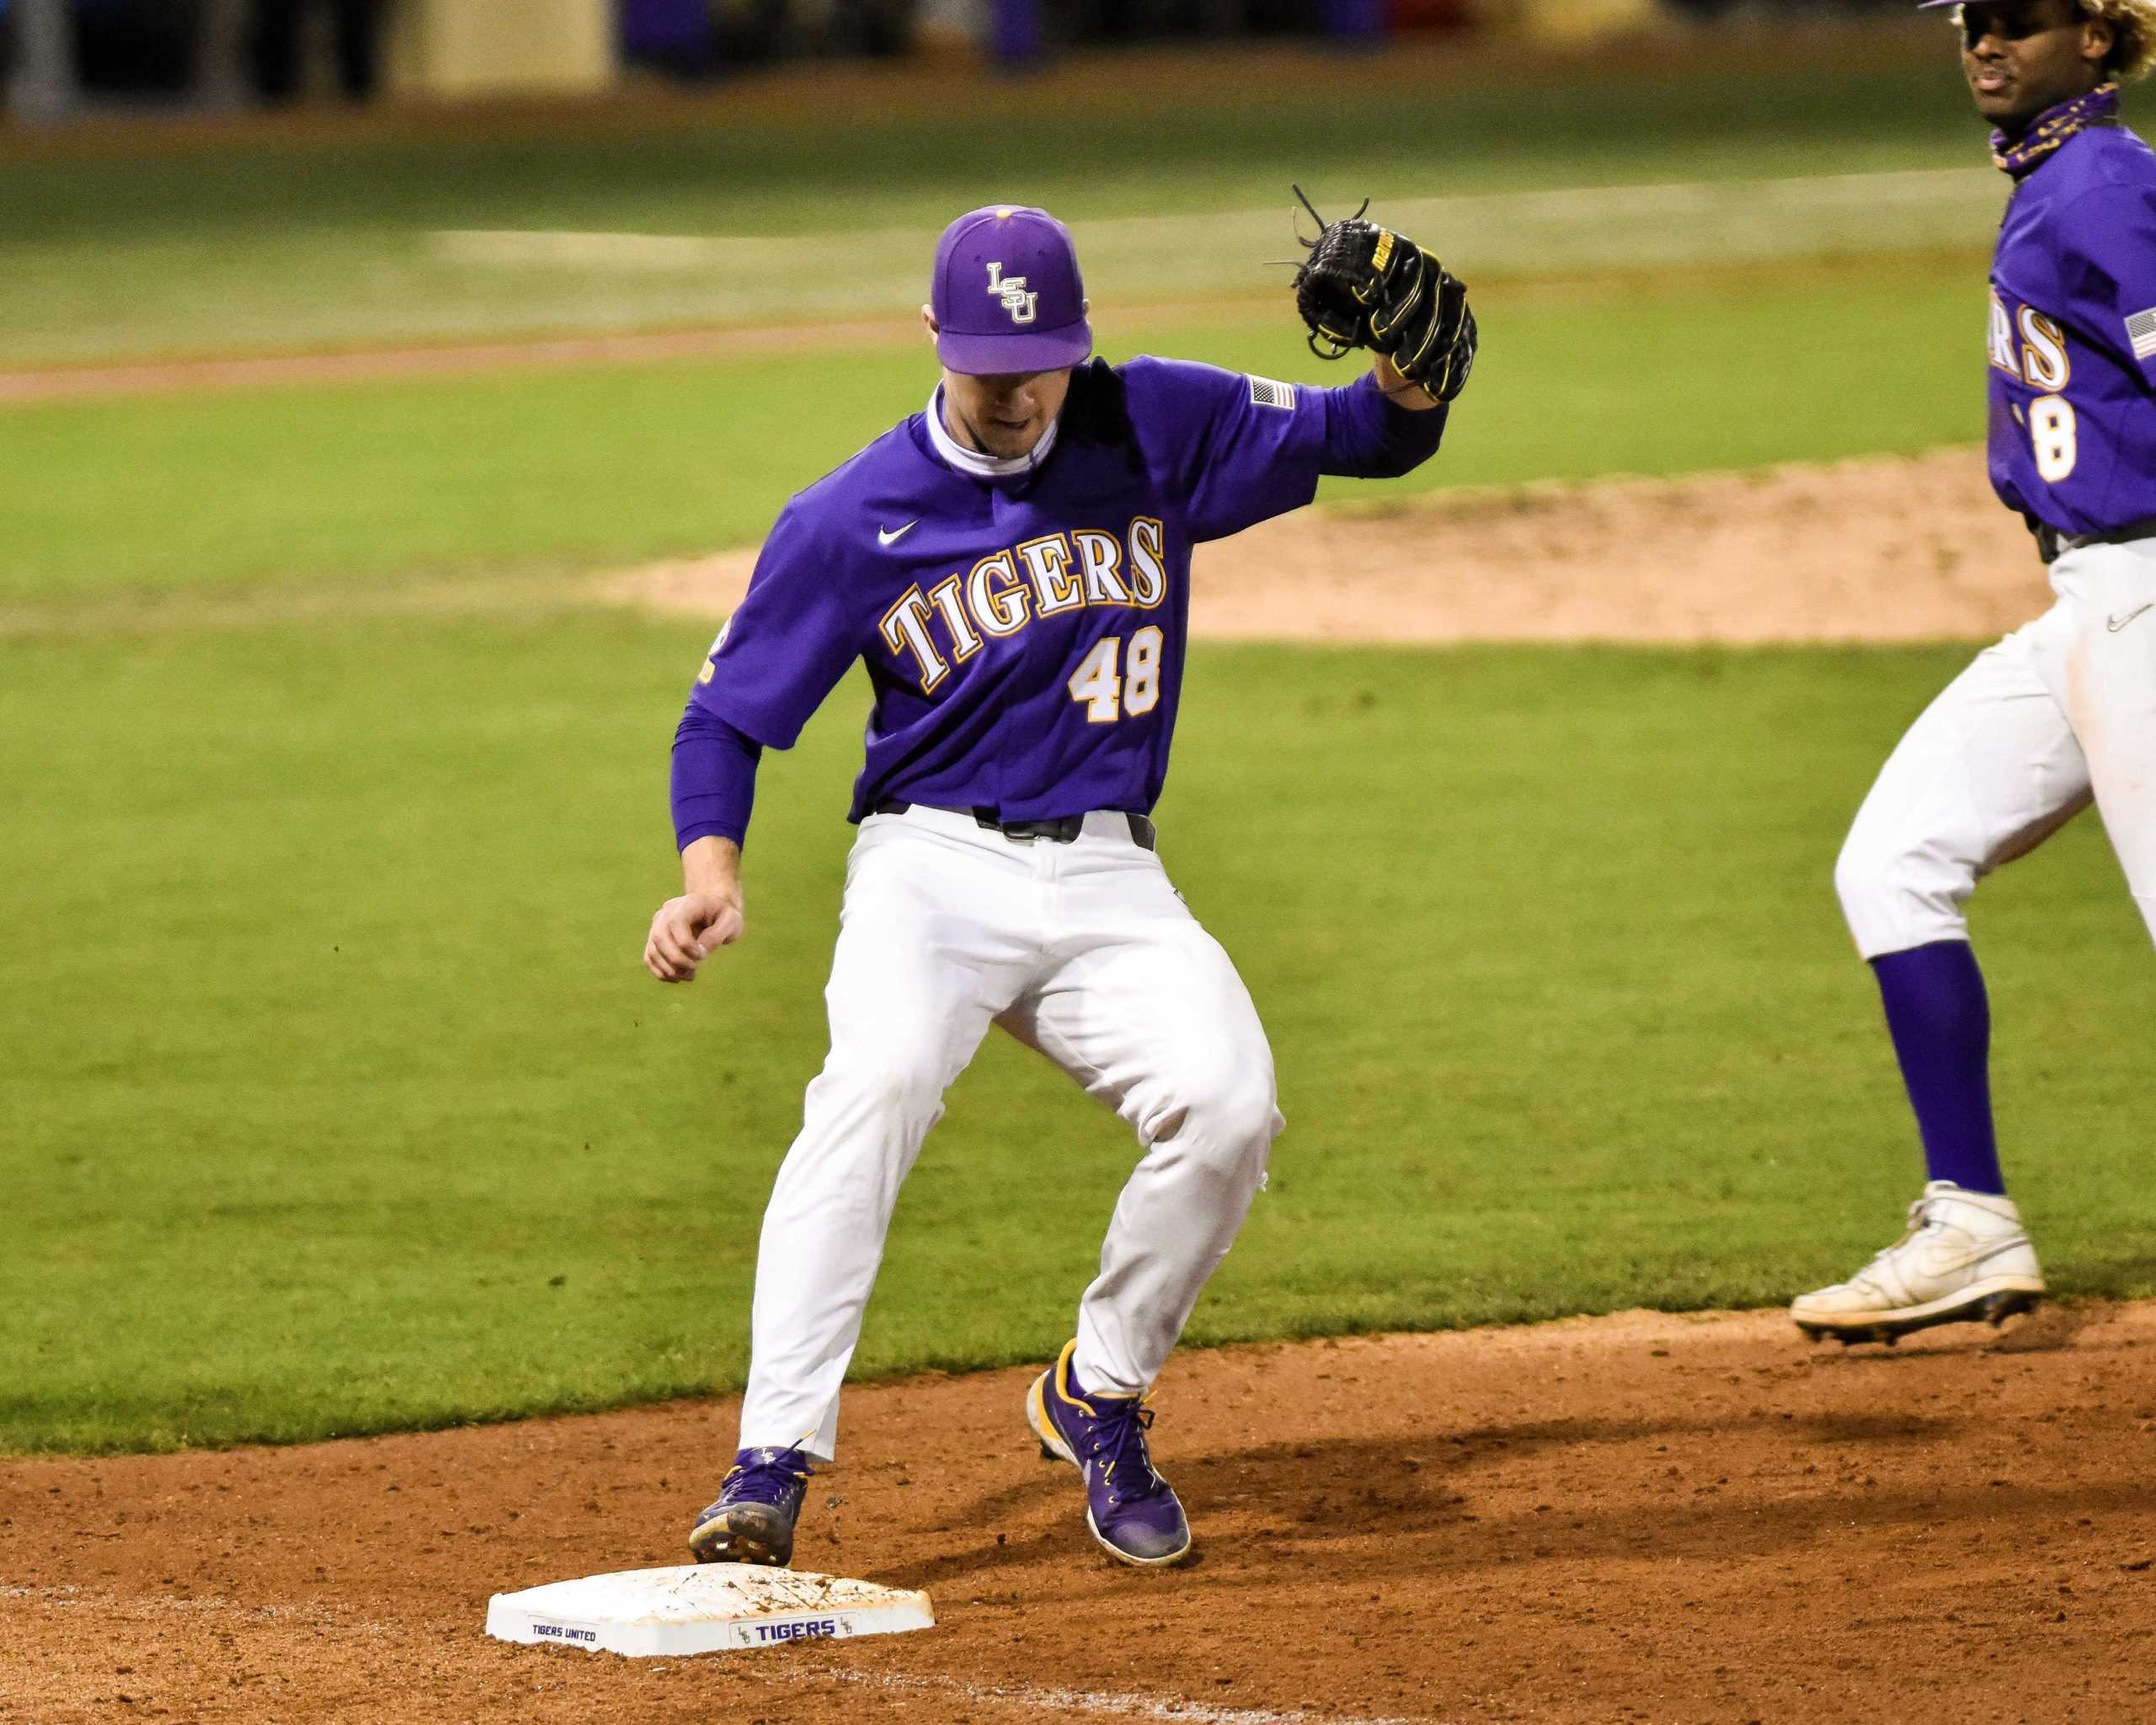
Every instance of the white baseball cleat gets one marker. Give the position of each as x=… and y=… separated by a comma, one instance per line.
x=1965, y=1257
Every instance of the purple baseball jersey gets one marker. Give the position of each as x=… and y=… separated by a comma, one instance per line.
x=1024, y=632
x=2072, y=340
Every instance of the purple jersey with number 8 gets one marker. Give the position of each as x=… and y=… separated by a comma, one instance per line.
x=2073, y=343
x=1024, y=631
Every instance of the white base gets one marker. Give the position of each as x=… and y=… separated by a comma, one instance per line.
x=701, y=1608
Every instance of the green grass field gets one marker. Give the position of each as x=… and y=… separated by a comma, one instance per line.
x=333, y=1100
x=338, y=1101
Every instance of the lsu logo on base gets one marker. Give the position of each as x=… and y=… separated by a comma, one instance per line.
x=1022, y=306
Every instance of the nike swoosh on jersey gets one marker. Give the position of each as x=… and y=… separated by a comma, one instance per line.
x=889, y=536
x=2116, y=623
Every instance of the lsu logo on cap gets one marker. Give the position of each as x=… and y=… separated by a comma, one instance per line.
x=1022, y=306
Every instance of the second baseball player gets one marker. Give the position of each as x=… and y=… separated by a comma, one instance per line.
x=2060, y=713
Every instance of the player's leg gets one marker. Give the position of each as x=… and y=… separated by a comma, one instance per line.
x=2108, y=686
x=1988, y=772
x=1145, y=1010
x=935, y=938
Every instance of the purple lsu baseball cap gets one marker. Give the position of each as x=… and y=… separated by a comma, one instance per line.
x=1006, y=293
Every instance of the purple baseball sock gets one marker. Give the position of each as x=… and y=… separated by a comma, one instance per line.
x=1940, y=1021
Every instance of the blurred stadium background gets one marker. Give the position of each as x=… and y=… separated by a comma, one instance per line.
x=63, y=55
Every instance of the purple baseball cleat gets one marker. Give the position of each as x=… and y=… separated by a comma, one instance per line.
x=1133, y=1512
x=758, y=1503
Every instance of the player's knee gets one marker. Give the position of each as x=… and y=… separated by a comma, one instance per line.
x=1229, y=1115
x=1860, y=876
x=889, y=1083
x=1898, y=893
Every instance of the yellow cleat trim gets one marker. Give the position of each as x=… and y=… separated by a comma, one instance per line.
x=1062, y=1381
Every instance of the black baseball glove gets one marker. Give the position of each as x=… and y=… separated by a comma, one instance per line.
x=1363, y=285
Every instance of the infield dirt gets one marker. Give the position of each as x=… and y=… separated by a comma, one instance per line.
x=1635, y=1517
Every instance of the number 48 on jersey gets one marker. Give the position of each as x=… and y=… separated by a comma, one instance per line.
x=1110, y=694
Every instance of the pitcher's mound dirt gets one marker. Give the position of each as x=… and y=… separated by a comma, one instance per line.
x=1887, y=548
x=1638, y=1517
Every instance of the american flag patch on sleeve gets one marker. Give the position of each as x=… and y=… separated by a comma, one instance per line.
x=2141, y=331
x=1267, y=393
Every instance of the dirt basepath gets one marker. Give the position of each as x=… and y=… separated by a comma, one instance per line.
x=1637, y=1517
x=1881, y=549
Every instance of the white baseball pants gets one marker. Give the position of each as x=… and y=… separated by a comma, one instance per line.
x=2058, y=712
x=1084, y=952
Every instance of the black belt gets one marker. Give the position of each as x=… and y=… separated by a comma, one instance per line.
x=2050, y=543
x=1061, y=832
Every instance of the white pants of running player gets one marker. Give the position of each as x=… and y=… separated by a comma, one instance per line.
x=2058, y=712
x=1084, y=952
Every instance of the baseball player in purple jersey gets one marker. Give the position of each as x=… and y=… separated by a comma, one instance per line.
x=2060, y=713
x=1012, y=566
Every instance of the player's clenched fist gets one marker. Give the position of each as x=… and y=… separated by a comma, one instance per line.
x=687, y=931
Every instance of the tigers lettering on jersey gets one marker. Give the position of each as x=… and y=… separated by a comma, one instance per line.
x=2029, y=347
x=1005, y=592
